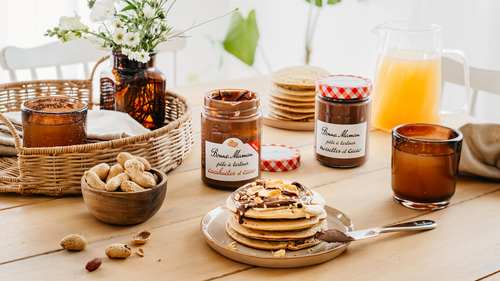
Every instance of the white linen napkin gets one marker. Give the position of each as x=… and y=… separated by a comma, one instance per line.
x=481, y=150
x=102, y=125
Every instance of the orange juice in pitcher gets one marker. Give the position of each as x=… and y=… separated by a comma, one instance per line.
x=408, y=75
x=408, y=87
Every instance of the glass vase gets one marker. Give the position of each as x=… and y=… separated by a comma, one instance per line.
x=135, y=88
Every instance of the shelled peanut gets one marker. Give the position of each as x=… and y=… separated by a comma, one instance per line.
x=129, y=175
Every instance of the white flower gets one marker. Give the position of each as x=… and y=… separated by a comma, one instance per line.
x=149, y=12
x=69, y=37
x=127, y=52
x=102, y=10
x=131, y=39
x=134, y=56
x=72, y=23
x=143, y=57
x=119, y=36
x=116, y=1
x=117, y=23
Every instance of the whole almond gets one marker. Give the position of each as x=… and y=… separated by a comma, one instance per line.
x=93, y=264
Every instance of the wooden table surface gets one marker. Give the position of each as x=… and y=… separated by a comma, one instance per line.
x=464, y=246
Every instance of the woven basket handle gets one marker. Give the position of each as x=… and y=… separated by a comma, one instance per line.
x=17, y=139
x=96, y=65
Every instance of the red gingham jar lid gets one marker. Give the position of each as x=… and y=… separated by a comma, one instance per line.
x=344, y=86
x=279, y=158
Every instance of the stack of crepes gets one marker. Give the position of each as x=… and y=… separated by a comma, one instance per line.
x=274, y=215
x=292, y=92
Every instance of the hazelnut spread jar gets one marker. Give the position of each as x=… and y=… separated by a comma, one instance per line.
x=342, y=120
x=231, y=129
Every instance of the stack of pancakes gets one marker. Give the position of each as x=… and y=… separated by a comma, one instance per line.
x=292, y=92
x=274, y=215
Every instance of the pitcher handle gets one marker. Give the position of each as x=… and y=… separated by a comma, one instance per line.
x=466, y=82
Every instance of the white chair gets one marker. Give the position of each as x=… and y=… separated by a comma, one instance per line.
x=50, y=55
x=74, y=52
x=480, y=79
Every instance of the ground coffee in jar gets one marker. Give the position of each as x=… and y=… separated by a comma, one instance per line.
x=231, y=129
x=342, y=120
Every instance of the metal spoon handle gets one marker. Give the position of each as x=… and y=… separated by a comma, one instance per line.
x=414, y=225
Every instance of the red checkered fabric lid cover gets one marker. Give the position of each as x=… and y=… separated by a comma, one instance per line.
x=279, y=158
x=344, y=86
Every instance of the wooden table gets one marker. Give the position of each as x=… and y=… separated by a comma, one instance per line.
x=464, y=246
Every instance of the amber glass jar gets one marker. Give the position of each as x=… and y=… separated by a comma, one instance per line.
x=231, y=130
x=54, y=121
x=342, y=120
x=135, y=88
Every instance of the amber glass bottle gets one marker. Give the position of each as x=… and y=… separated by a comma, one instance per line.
x=135, y=88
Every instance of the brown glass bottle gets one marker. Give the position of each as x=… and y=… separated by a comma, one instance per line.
x=231, y=130
x=135, y=88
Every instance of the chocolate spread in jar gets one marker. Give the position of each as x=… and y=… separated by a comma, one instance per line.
x=244, y=201
x=231, y=129
x=342, y=120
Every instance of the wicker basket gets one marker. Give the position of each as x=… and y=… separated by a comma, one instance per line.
x=57, y=171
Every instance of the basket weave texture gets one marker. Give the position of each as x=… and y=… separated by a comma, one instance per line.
x=57, y=171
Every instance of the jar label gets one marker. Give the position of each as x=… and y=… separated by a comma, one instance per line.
x=340, y=141
x=232, y=160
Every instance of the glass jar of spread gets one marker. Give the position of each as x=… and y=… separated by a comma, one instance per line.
x=231, y=130
x=342, y=120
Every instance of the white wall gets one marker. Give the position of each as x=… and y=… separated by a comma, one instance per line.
x=343, y=42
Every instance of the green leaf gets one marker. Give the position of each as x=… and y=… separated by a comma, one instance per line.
x=129, y=7
x=319, y=3
x=242, y=36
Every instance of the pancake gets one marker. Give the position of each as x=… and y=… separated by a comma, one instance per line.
x=290, y=103
x=292, y=109
x=282, y=96
x=271, y=245
x=286, y=119
x=290, y=115
x=292, y=92
x=279, y=224
x=277, y=235
x=303, y=76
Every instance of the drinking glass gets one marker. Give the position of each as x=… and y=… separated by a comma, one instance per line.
x=54, y=121
x=425, y=160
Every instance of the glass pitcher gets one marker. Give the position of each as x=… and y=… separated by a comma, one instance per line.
x=408, y=75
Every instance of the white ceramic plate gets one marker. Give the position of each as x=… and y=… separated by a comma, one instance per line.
x=213, y=227
x=287, y=125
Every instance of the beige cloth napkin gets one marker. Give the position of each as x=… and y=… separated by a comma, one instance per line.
x=102, y=125
x=481, y=150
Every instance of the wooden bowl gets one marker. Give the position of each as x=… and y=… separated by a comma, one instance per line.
x=125, y=208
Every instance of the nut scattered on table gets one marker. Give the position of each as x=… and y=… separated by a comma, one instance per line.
x=141, y=237
x=118, y=251
x=93, y=264
x=74, y=242
x=140, y=252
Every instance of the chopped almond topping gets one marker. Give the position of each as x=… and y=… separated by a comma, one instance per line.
x=258, y=200
x=290, y=188
x=279, y=253
x=237, y=197
x=273, y=194
x=263, y=193
x=232, y=246
x=254, y=190
x=273, y=183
